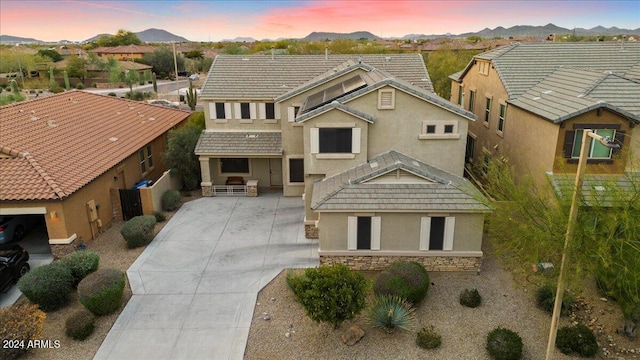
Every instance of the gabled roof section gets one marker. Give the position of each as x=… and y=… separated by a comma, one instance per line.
x=239, y=143
x=522, y=66
x=568, y=92
x=335, y=105
x=441, y=190
x=55, y=145
x=256, y=77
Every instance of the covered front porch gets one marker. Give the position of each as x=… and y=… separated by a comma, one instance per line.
x=239, y=163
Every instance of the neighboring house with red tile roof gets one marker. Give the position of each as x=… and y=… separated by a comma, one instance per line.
x=61, y=152
x=124, y=52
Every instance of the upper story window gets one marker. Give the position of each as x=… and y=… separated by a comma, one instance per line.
x=296, y=170
x=472, y=100
x=335, y=140
x=487, y=111
x=439, y=129
x=598, y=153
x=220, y=113
x=461, y=95
x=501, y=116
x=245, y=113
x=270, y=111
x=145, y=156
x=386, y=99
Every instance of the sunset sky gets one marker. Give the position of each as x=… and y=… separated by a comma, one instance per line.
x=216, y=20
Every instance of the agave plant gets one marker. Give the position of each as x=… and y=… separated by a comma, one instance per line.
x=390, y=312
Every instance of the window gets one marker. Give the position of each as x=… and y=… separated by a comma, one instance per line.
x=487, y=111
x=439, y=129
x=220, y=113
x=143, y=163
x=146, y=159
x=483, y=67
x=149, y=157
x=597, y=149
x=363, y=232
x=245, y=113
x=468, y=154
x=292, y=111
x=436, y=232
x=234, y=166
x=270, y=110
x=472, y=100
x=503, y=110
x=386, y=99
x=461, y=95
x=335, y=140
x=296, y=170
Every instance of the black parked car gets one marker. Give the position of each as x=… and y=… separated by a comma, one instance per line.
x=13, y=264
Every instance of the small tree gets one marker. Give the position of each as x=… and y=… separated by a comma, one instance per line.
x=331, y=294
x=180, y=156
x=192, y=97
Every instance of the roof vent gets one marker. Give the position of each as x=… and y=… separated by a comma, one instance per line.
x=35, y=118
x=537, y=98
x=387, y=58
x=245, y=59
x=113, y=138
x=599, y=188
x=152, y=119
x=51, y=123
x=580, y=95
x=251, y=136
x=415, y=163
x=547, y=91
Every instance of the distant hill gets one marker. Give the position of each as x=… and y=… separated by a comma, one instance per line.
x=319, y=36
x=149, y=36
x=543, y=31
x=239, y=39
x=8, y=39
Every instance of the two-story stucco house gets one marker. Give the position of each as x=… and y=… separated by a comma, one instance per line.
x=533, y=102
x=376, y=155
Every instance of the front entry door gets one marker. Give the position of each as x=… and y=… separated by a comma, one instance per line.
x=275, y=172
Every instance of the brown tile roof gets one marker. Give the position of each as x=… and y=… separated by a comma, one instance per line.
x=51, y=147
x=124, y=49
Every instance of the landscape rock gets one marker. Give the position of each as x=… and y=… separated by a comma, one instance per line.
x=353, y=335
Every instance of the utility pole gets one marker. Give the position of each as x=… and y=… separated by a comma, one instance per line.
x=175, y=60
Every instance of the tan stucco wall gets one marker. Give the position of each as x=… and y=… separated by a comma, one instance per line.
x=401, y=231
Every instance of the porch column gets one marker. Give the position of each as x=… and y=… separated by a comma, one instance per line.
x=206, y=184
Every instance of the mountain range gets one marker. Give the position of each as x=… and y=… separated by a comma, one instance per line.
x=159, y=35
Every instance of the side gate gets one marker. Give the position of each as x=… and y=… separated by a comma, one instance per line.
x=131, y=203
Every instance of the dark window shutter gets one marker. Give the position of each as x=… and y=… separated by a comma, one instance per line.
x=569, y=136
x=619, y=139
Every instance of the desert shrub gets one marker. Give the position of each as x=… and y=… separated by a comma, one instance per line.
x=19, y=323
x=504, y=344
x=579, y=339
x=48, y=285
x=112, y=94
x=390, y=312
x=545, y=298
x=409, y=280
x=101, y=292
x=428, y=338
x=81, y=263
x=470, y=298
x=170, y=200
x=160, y=216
x=80, y=324
x=330, y=293
x=79, y=86
x=138, y=231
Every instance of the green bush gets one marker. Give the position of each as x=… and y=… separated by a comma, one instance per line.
x=470, y=298
x=101, y=292
x=160, y=216
x=80, y=324
x=79, y=86
x=112, y=94
x=330, y=293
x=390, y=312
x=545, y=298
x=504, y=344
x=170, y=200
x=48, y=285
x=409, y=280
x=428, y=338
x=81, y=263
x=579, y=339
x=19, y=323
x=138, y=231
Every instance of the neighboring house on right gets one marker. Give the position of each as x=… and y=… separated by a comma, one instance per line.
x=534, y=100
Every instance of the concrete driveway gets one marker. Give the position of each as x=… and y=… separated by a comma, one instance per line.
x=195, y=286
